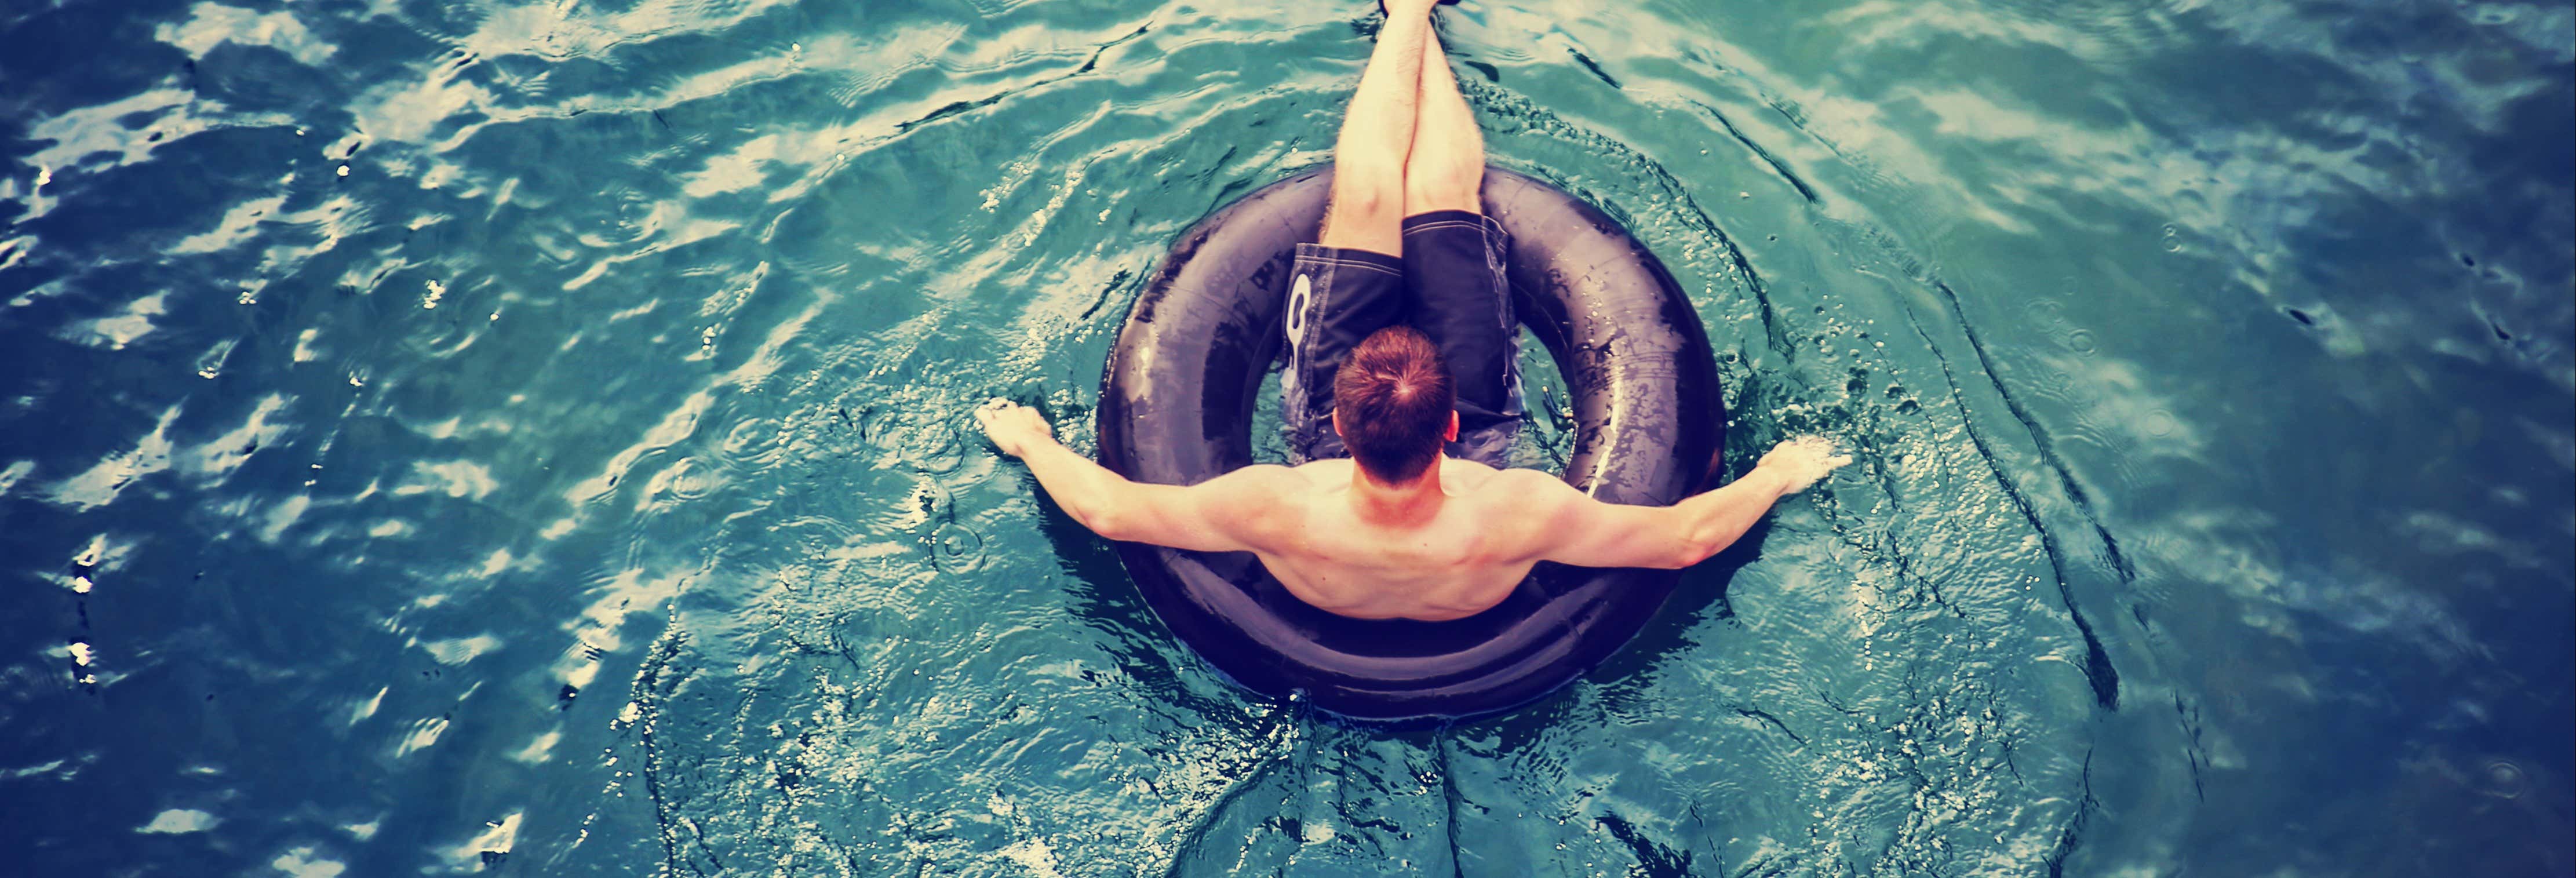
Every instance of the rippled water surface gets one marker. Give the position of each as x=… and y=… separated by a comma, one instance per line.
x=533, y=438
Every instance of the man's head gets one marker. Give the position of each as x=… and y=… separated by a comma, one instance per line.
x=1393, y=404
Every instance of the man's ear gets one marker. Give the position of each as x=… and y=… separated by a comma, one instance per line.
x=1452, y=435
x=1337, y=424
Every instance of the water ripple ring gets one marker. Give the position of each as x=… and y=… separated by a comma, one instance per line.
x=1176, y=408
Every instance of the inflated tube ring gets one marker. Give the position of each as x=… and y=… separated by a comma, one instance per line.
x=1176, y=408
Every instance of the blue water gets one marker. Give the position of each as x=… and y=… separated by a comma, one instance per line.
x=534, y=439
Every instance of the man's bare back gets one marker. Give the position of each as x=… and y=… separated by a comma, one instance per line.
x=1450, y=544
x=1336, y=549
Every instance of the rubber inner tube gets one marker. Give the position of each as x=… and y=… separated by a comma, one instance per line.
x=1177, y=403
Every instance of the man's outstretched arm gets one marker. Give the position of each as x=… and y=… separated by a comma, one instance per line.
x=1589, y=533
x=1219, y=515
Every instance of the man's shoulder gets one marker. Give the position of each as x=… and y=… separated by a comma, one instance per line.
x=1517, y=499
x=1268, y=490
x=1267, y=479
x=1523, y=484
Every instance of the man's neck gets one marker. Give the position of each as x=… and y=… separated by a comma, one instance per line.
x=1402, y=505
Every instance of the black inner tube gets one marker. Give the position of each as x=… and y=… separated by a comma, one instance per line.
x=1176, y=408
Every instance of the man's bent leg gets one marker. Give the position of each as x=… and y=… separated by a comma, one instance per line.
x=1336, y=299
x=1453, y=262
x=1446, y=169
x=1453, y=258
x=1377, y=134
x=1351, y=283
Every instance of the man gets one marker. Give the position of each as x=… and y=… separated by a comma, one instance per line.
x=1377, y=520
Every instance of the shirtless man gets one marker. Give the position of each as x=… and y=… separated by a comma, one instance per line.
x=1390, y=511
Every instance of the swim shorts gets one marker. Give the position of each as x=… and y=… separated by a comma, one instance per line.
x=1449, y=285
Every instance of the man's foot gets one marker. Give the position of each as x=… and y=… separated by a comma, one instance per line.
x=1381, y=5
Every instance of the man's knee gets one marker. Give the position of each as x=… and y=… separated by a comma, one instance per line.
x=1363, y=188
x=1444, y=186
x=1361, y=204
x=1367, y=207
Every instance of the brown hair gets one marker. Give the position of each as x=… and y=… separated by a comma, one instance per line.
x=1394, y=399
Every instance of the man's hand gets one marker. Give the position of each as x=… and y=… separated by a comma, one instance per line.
x=1585, y=532
x=1013, y=427
x=1803, y=460
x=1224, y=514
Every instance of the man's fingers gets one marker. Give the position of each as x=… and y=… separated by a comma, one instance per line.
x=991, y=411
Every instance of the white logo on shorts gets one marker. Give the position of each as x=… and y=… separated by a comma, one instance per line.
x=1297, y=311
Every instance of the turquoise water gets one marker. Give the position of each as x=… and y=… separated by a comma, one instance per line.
x=534, y=438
